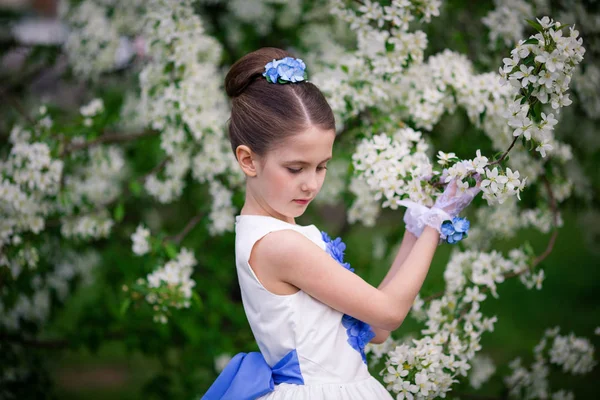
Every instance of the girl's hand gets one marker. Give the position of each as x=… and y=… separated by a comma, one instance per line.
x=453, y=200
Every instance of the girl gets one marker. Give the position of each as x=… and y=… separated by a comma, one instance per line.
x=310, y=316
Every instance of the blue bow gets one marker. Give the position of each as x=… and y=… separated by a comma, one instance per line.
x=248, y=376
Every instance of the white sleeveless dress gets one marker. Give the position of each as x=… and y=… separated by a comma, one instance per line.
x=331, y=368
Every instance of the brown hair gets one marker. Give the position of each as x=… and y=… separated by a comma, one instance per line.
x=263, y=113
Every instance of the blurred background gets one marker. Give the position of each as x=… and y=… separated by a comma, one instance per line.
x=86, y=344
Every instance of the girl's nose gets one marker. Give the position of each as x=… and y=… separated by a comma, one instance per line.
x=310, y=184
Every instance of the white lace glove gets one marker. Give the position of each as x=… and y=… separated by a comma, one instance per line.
x=411, y=216
x=449, y=204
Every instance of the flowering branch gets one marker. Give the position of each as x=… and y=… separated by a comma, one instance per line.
x=539, y=258
x=107, y=138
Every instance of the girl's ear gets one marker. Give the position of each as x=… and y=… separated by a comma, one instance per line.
x=246, y=159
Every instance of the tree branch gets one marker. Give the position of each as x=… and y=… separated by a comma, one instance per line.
x=107, y=138
x=176, y=239
x=17, y=106
x=498, y=161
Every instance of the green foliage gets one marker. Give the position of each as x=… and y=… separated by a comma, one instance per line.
x=103, y=324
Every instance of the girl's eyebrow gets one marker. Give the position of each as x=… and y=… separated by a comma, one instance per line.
x=304, y=162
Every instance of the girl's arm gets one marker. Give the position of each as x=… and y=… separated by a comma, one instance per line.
x=291, y=257
x=408, y=241
x=407, y=244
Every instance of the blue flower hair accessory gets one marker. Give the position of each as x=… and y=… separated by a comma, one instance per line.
x=359, y=333
x=455, y=230
x=285, y=70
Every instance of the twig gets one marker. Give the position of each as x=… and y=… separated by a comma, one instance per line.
x=552, y=240
x=498, y=161
x=108, y=138
x=17, y=106
x=181, y=235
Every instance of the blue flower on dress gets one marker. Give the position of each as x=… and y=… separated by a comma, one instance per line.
x=335, y=248
x=455, y=230
x=359, y=333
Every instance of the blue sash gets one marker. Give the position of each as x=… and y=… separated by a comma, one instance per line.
x=248, y=376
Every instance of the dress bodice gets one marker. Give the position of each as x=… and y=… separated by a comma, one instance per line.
x=281, y=323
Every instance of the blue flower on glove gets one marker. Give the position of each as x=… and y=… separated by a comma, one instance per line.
x=359, y=333
x=455, y=230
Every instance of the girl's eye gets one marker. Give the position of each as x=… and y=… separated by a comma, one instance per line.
x=321, y=168
x=294, y=171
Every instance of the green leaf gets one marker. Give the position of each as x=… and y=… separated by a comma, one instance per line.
x=344, y=68
x=135, y=187
x=119, y=212
x=535, y=25
x=532, y=41
x=197, y=300
x=124, y=306
x=171, y=250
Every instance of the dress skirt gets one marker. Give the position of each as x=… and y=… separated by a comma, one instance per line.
x=365, y=389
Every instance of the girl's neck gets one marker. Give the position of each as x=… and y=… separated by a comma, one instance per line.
x=254, y=207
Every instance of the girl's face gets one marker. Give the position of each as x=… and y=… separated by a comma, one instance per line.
x=289, y=176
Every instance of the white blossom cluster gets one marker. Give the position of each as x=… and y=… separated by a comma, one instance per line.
x=29, y=182
x=358, y=79
x=380, y=27
x=221, y=209
x=181, y=96
x=427, y=94
x=575, y=355
x=90, y=110
x=89, y=226
x=427, y=368
x=507, y=21
x=488, y=269
x=446, y=81
x=482, y=370
x=97, y=180
x=503, y=221
x=262, y=14
x=170, y=286
x=35, y=307
x=140, y=239
x=482, y=269
x=586, y=84
x=541, y=69
x=99, y=34
x=364, y=209
x=89, y=189
x=393, y=167
x=425, y=89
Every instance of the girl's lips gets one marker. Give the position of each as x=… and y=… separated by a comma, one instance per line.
x=301, y=201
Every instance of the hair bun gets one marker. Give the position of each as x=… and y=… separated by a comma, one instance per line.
x=245, y=70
